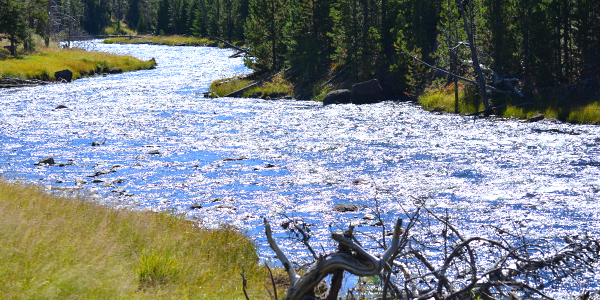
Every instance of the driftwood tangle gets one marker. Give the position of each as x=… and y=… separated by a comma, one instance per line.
x=352, y=258
x=430, y=259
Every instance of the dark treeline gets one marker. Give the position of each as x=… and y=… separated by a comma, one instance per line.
x=542, y=43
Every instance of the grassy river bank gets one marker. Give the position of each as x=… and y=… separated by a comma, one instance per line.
x=71, y=247
x=42, y=64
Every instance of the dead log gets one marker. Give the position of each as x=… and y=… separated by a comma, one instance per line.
x=18, y=82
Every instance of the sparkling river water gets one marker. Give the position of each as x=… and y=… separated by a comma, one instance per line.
x=168, y=147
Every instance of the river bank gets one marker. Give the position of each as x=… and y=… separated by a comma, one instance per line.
x=42, y=67
x=437, y=97
x=56, y=247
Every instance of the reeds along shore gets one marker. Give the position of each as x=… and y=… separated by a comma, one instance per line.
x=60, y=248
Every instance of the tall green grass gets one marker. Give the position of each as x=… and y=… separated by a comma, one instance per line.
x=226, y=86
x=72, y=248
x=80, y=62
x=276, y=87
x=587, y=114
x=441, y=98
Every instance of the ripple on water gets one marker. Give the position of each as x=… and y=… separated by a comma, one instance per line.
x=268, y=158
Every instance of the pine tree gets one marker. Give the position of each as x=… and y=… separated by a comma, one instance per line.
x=163, y=17
x=13, y=22
x=265, y=35
x=306, y=35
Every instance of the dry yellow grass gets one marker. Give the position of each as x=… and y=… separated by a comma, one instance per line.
x=81, y=62
x=172, y=40
x=73, y=248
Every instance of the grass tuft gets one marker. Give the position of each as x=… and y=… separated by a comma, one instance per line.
x=275, y=88
x=588, y=114
x=63, y=248
x=441, y=98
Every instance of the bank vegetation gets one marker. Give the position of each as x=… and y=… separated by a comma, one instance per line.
x=72, y=247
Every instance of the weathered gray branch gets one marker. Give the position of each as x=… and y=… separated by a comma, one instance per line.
x=458, y=76
x=359, y=262
x=282, y=257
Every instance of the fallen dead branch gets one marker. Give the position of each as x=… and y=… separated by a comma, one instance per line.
x=421, y=263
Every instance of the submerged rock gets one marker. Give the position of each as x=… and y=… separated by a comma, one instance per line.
x=196, y=205
x=369, y=217
x=225, y=206
x=102, y=172
x=120, y=191
x=98, y=143
x=343, y=207
x=338, y=97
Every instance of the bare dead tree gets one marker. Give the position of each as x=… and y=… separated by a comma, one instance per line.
x=430, y=258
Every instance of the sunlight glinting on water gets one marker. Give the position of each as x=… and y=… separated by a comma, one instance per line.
x=242, y=159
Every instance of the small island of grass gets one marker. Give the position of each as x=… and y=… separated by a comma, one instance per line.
x=172, y=40
x=42, y=64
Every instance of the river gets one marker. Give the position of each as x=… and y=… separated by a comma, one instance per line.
x=168, y=147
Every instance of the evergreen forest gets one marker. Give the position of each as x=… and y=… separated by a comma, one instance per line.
x=520, y=45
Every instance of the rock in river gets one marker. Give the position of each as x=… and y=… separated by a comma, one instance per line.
x=196, y=205
x=46, y=161
x=369, y=217
x=119, y=191
x=343, y=207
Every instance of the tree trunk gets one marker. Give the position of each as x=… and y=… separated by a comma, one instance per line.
x=476, y=66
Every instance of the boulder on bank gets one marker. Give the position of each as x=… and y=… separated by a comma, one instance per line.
x=338, y=97
x=366, y=92
x=64, y=75
x=115, y=70
x=537, y=117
